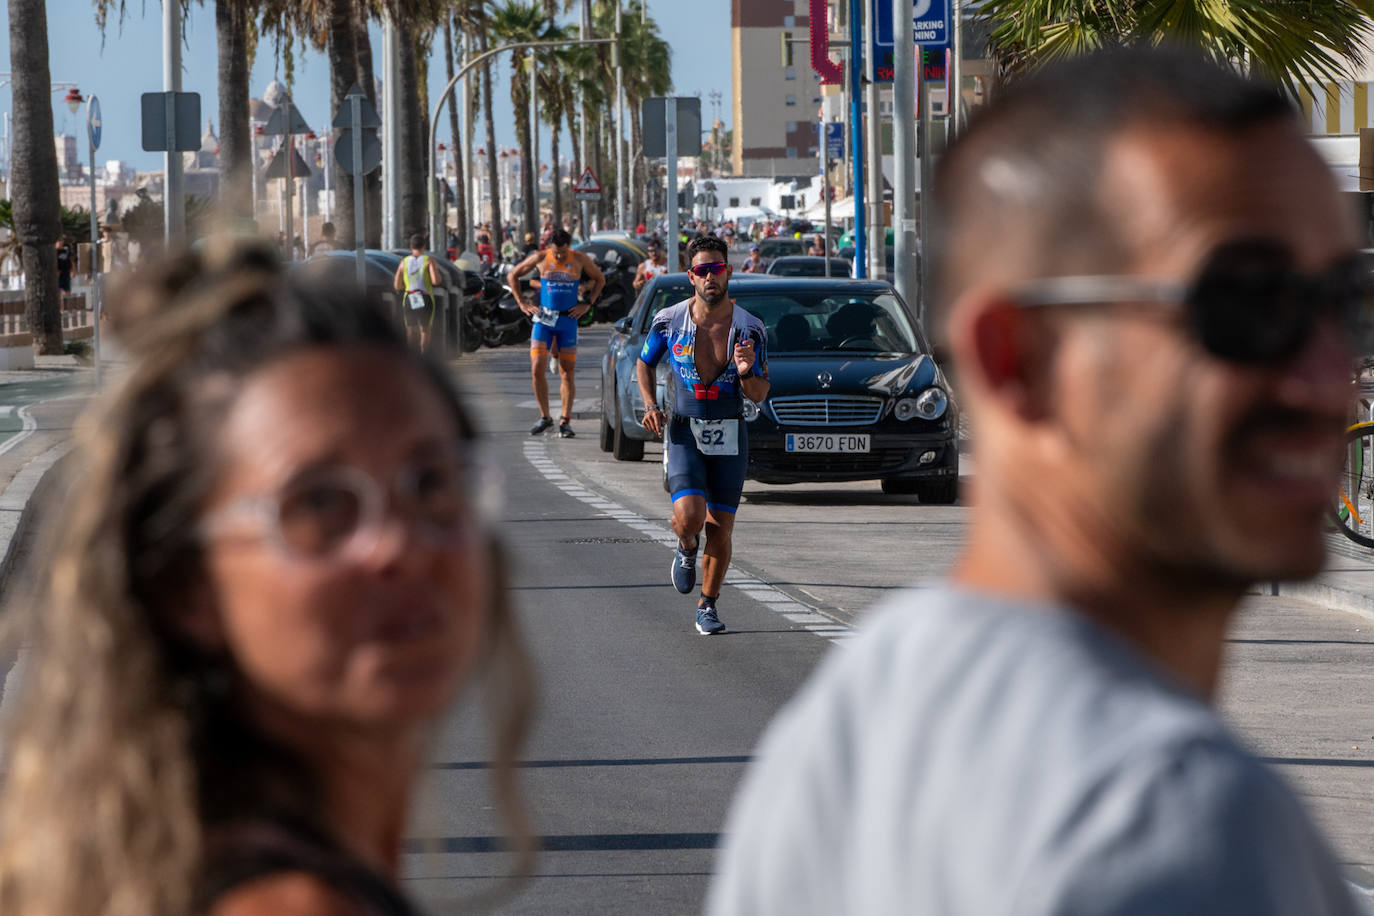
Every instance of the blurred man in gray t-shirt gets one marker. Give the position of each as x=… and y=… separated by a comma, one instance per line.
x=1148, y=283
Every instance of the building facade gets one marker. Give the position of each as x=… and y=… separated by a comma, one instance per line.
x=774, y=106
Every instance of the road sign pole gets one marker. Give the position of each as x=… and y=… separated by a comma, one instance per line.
x=905, y=68
x=670, y=141
x=95, y=262
x=174, y=198
x=856, y=137
x=355, y=104
x=954, y=73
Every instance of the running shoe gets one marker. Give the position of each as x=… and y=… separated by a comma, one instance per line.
x=565, y=430
x=708, y=624
x=543, y=424
x=684, y=569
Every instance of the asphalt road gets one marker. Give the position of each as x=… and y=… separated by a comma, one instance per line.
x=644, y=726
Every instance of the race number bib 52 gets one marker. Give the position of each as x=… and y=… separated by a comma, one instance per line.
x=416, y=299
x=716, y=437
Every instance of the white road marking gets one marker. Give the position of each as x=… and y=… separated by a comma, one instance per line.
x=29, y=428
x=789, y=608
x=6, y=409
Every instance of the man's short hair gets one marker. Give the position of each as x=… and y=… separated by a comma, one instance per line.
x=328, y=230
x=560, y=238
x=417, y=241
x=707, y=243
x=1025, y=175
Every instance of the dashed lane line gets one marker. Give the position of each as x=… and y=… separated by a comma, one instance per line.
x=790, y=609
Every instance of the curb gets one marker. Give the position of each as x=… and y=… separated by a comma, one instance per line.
x=1337, y=597
x=17, y=503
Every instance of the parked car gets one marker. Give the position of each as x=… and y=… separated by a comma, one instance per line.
x=889, y=259
x=856, y=393
x=619, y=257
x=780, y=247
x=799, y=265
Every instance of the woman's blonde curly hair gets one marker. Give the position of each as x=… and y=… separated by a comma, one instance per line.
x=122, y=751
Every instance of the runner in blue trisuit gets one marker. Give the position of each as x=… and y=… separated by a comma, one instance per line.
x=718, y=356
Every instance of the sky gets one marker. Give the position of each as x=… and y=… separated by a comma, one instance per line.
x=128, y=62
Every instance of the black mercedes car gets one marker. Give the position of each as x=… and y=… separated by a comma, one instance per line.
x=856, y=394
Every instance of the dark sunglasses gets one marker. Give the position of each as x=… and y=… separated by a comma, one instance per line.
x=708, y=270
x=1247, y=304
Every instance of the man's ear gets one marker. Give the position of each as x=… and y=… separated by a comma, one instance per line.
x=1004, y=350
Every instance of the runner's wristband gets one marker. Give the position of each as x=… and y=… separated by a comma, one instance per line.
x=747, y=374
x=654, y=407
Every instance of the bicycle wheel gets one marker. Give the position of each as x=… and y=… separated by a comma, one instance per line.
x=1354, y=508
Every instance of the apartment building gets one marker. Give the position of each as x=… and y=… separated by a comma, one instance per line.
x=774, y=107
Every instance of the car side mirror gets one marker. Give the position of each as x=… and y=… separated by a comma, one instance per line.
x=623, y=325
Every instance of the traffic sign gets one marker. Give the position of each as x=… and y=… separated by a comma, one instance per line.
x=343, y=119
x=587, y=187
x=653, y=117
x=185, y=111
x=834, y=140
x=359, y=115
x=285, y=119
x=930, y=19
x=93, y=122
x=277, y=168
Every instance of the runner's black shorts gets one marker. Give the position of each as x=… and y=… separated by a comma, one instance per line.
x=422, y=318
x=717, y=478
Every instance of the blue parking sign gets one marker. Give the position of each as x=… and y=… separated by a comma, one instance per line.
x=834, y=140
x=931, y=21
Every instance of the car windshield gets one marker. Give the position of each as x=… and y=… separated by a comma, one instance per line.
x=772, y=248
x=820, y=321
x=808, y=267
x=817, y=320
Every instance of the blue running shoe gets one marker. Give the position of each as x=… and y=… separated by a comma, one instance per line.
x=685, y=569
x=708, y=624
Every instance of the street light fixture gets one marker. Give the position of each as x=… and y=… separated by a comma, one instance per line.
x=74, y=100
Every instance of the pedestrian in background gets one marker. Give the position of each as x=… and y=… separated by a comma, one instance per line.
x=66, y=264
x=1151, y=287
x=273, y=573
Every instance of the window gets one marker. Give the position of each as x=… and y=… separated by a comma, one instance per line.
x=790, y=73
x=734, y=202
x=791, y=100
x=755, y=201
x=791, y=152
x=789, y=22
x=791, y=127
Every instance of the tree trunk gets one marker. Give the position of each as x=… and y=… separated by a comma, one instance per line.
x=520, y=101
x=460, y=201
x=235, y=131
x=410, y=171
x=493, y=175
x=342, y=48
x=554, y=131
x=640, y=180
x=33, y=176
x=372, y=183
x=600, y=171
x=575, y=172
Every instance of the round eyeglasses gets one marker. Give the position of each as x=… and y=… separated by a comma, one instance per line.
x=338, y=512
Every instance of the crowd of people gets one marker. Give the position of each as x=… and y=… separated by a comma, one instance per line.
x=276, y=567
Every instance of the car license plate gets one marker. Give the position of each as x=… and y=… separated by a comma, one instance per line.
x=827, y=442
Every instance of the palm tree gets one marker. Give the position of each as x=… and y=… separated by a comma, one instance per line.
x=34, y=172
x=232, y=20
x=489, y=116
x=515, y=21
x=556, y=96
x=647, y=62
x=460, y=191
x=1292, y=42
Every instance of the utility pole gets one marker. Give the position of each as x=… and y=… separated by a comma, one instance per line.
x=391, y=135
x=174, y=195
x=954, y=74
x=533, y=164
x=904, y=75
x=622, y=219
x=877, y=260
x=583, y=32
x=856, y=138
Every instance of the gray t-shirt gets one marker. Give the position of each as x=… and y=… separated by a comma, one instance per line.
x=973, y=755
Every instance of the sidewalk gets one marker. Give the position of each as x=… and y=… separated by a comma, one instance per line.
x=27, y=456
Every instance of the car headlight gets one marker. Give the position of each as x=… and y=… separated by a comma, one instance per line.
x=751, y=411
x=905, y=409
x=931, y=404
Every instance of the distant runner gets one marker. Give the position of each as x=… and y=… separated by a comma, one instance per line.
x=563, y=274
x=415, y=279
x=657, y=263
x=718, y=356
